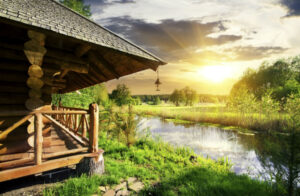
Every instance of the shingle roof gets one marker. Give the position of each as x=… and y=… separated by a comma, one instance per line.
x=51, y=15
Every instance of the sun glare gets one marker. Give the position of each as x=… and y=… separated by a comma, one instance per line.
x=216, y=73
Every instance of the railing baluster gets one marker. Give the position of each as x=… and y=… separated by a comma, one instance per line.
x=84, y=125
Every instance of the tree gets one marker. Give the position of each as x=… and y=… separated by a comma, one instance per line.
x=121, y=95
x=186, y=95
x=83, y=97
x=175, y=97
x=78, y=6
x=156, y=100
x=282, y=78
x=189, y=96
x=100, y=94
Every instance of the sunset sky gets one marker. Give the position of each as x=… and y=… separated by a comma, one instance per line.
x=208, y=44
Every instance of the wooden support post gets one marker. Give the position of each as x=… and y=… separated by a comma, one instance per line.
x=94, y=126
x=38, y=139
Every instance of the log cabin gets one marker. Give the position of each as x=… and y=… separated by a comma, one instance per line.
x=47, y=48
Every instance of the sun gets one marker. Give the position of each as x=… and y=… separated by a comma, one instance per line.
x=215, y=73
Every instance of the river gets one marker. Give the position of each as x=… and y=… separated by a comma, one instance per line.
x=242, y=150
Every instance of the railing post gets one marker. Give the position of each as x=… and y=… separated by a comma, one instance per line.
x=38, y=138
x=94, y=126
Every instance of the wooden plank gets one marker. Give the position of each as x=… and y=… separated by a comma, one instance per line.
x=77, y=138
x=45, y=166
x=38, y=138
x=67, y=152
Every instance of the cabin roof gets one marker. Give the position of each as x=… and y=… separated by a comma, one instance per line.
x=109, y=56
x=53, y=16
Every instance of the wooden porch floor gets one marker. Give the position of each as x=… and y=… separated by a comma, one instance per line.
x=22, y=164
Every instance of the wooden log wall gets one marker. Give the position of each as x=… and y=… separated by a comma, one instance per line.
x=22, y=87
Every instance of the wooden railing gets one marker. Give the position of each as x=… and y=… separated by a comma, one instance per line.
x=82, y=125
x=78, y=123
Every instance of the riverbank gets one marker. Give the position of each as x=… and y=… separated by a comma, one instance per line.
x=164, y=170
x=216, y=115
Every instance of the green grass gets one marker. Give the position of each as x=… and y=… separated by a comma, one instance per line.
x=179, y=121
x=216, y=115
x=169, y=167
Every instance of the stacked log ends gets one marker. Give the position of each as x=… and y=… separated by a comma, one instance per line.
x=35, y=51
x=37, y=36
x=35, y=71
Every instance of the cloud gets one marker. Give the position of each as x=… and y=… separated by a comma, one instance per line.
x=97, y=6
x=293, y=7
x=235, y=53
x=171, y=39
x=245, y=53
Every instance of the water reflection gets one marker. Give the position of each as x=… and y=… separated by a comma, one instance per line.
x=210, y=142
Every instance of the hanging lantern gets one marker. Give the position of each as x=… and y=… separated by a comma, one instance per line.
x=157, y=82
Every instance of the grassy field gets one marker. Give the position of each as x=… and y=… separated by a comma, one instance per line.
x=171, y=167
x=215, y=114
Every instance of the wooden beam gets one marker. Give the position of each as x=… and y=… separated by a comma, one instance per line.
x=63, y=73
x=76, y=67
x=13, y=65
x=11, y=107
x=12, y=54
x=45, y=166
x=12, y=88
x=81, y=81
x=38, y=138
x=15, y=162
x=77, y=138
x=54, y=82
x=98, y=73
x=37, y=47
x=66, y=56
x=22, y=113
x=10, y=98
x=82, y=49
x=12, y=76
x=102, y=65
x=9, y=157
x=145, y=62
x=4, y=133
